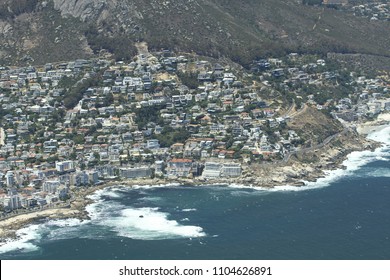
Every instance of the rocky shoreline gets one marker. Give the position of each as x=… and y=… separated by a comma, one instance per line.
x=303, y=167
x=9, y=226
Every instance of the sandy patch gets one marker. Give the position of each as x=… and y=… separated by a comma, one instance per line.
x=369, y=127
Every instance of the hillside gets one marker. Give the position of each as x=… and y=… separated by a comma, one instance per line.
x=54, y=30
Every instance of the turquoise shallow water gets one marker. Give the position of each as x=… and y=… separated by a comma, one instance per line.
x=345, y=216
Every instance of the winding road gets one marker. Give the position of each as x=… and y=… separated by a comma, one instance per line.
x=318, y=146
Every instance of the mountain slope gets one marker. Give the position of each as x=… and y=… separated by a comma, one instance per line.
x=240, y=30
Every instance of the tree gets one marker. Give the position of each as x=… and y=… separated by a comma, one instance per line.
x=75, y=90
x=312, y=2
x=78, y=139
x=121, y=46
x=189, y=79
x=96, y=155
x=73, y=156
x=148, y=114
x=169, y=136
x=108, y=100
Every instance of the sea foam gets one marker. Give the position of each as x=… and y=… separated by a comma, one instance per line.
x=355, y=161
x=138, y=223
x=23, y=242
x=379, y=172
x=27, y=237
x=150, y=224
x=189, y=210
x=147, y=187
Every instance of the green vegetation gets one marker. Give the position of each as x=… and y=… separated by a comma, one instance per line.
x=121, y=45
x=170, y=136
x=14, y=8
x=240, y=30
x=312, y=2
x=189, y=79
x=148, y=114
x=74, y=94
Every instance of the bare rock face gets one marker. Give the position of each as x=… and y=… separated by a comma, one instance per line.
x=239, y=29
x=82, y=9
x=5, y=28
x=113, y=13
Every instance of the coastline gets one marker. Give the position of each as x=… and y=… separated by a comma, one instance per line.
x=297, y=172
x=9, y=226
x=366, y=128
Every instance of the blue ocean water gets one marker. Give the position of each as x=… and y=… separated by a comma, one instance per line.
x=343, y=216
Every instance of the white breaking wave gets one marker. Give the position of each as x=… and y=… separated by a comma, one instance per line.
x=108, y=192
x=64, y=229
x=138, y=223
x=151, y=198
x=379, y=158
x=354, y=162
x=249, y=187
x=112, y=194
x=105, y=216
x=146, y=187
x=149, y=224
x=65, y=223
x=51, y=229
x=189, y=210
x=238, y=186
x=102, y=209
x=380, y=172
x=23, y=242
x=97, y=195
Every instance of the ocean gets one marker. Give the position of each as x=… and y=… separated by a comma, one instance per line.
x=345, y=215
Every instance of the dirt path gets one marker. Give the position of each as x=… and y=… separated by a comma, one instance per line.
x=299, y=112
x=316, y=147
x=289, y=111
x=142, y=48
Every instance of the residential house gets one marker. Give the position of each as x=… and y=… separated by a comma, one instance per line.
x=136, y=172
x=181, y=167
